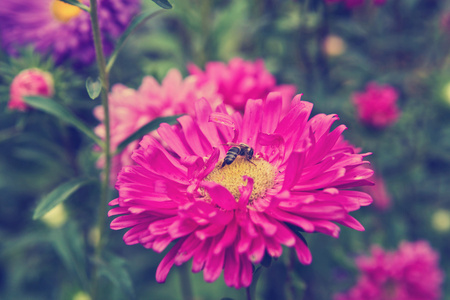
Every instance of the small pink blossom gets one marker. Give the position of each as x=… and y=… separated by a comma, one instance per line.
x=410, y=273
x=226, y=217
x=130, y=109
x=29, y=82
x=377, y=105
x=241, y=80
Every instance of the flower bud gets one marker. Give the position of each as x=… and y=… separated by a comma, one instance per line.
x=29, y=82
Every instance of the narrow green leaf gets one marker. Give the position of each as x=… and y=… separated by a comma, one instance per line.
x=59, y=111
x=69, y=244
x=93, y=87
x=149, y=127
x=113, y=268
x=58, y=195
x=77, y=4
x=137, y=21
x=163, y=4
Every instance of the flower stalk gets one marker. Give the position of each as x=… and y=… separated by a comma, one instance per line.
x=104, y=197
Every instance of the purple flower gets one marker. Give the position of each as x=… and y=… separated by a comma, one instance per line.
x=63, y=30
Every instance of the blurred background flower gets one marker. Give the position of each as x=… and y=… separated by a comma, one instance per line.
x=377, y=105
x=410, y=273
x=60, y=29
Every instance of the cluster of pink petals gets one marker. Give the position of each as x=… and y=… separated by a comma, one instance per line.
x=130, y=109
x=356, y=3
x=29, y=82
x=377, y=105
x=241, y=80
x=161, y=198
x=410, y=273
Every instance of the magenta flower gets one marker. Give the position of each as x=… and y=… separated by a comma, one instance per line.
x=377, y=105
x=227, y=216
x=410, y=273
x=241, y=80
x=52, y=26
x=29, y=82
x=131, y=109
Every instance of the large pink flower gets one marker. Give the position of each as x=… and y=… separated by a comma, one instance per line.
x=377, y=105
x=226, y=218
x=131, y=109
x=410, y=273
x=241, y=80
x=29, y=82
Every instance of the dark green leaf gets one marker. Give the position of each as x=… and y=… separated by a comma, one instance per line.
x=114, y=270
x=149, y=127
x=93, y=87
x=163, y=4
x=252, y=287
x=137, y=21
x=77, y=4
x=69, y=244
x=57, y=110
x=58, y=195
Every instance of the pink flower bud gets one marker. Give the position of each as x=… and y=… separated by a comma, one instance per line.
x=29, y=82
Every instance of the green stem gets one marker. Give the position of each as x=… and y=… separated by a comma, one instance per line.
x=104, y=197
x=185, y=283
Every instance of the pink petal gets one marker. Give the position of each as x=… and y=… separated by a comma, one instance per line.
x=272, y=112
x=251, y=122
x=219, y=195
x=167, y=262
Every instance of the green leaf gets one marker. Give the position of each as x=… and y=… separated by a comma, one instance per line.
x=149, y=127
x=58, y=195
x=113, y=268
x=137, y=21
x=77, y=4
x=163, y=4
x=59, y=111
x=69, y=244
x=93, y=87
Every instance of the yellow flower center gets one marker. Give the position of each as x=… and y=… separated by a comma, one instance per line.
x=63, y=12
x=230, y=176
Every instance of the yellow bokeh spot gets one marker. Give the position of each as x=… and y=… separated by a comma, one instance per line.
x=440, y=220
x=81, y=296
x=94, y=236
x=446, y=91
x=64, y=12
x=56, y=217
x=230, y=176
x=333, y=45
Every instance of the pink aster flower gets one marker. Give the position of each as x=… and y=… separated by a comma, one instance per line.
x=241, y=80
x=29, y=82
x=377, y=105
x=410, y=273
x=131, y=109
x=63, y=30
x=227, y=216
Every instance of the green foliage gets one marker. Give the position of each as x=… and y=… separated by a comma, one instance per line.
x=59, y=195
x=163, y=4
x=77, y=4
x=49, y=106
x=93, y=87
x=149, y=127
